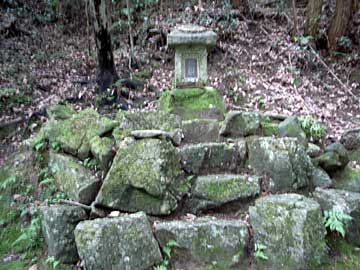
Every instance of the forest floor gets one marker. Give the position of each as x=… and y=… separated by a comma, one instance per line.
x=256, y=65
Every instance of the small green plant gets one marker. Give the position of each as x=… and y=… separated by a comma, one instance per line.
x=56, y=146
x=90, y=163
x=30, y=238
x=314, y=130
x=10, y=181
x=335, y=221
x=260, y=251
x=167, y=254
x=52, y=262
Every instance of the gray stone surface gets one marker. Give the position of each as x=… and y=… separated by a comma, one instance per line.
x=336, y=157
x=291, y=227
x=346, y=202
x=320, y=178
x=191, y=35
x=240, y=124
x=72, y=178
x=145, y=176
x=122, y=243
x=212, y=191
x=348, y=179
x=58, y=225
x=174, y=136
x=60, y=112
x=313, y=150
x=200, y=130
x=206, y=243
x=291, y=127
x=102, y=150
x=283, y=160
x=213, y=157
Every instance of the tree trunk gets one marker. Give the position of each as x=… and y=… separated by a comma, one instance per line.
x=312, y=17
x=101, y=20
x=339, y=23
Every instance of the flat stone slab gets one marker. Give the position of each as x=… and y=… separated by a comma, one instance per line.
x=58, y=225
x=205, y=158
x=240, y=124
x=283, y=160
x=191, y=35
x=125, y=242
x=291, y=228
x=342, y=201
x=73, y=178
x=205, y=243
x=212, y=191
x=200, y=131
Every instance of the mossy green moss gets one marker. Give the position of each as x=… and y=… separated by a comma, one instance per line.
x=348, y=179
x=193, y=103
x=269, y=128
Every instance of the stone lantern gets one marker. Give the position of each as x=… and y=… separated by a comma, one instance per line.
x=191, y=43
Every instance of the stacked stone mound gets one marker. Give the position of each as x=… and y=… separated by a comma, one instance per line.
x=192, y=157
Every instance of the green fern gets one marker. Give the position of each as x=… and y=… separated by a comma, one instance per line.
x=335, y=221
x=167, y=252
x=259, y=252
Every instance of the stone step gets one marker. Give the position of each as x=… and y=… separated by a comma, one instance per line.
x=205, y=158
x=212, y=191
x=200, y=131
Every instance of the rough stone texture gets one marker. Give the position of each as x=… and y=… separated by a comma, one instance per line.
x=336, y=157
x=240, y=124
x=269, y=128
x=291, y=127
x=348, y=179
x=291, y=227
x=72, y=178
x=200, y=130
x=58, y=225
x=213, y=157
x=102, y=150
x=340, y=150
x=320, y=178
x=212, y=191
x=175, y=136
x=206, y=243
x=351, y=140
x=342, y=201
x=193, y=103
x=284, y=160
x=313, y=150
x=74, y=134
x=125, y=242
x=191, y=35
x=60, y=112
x=145, y=175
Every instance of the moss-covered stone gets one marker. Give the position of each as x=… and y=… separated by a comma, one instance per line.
x=346, y=202
x=240, y=124
x=313, y=150
x=200, y=130
x=269, y=128
x=205, y=243
x=320, y=178
x=291, y=127
x=215, y=190
x=351, y=140
x=74, y=134
x=348, y=179
x=291, y=227
x=125, y=242
x=72, y=178
x=102, y=150
x=60, y=112
x=213, y=157
x=341, y=151
x=193, y=103
x=141, y=178
x=284, y=160
x=330, y=161
x=58, y=225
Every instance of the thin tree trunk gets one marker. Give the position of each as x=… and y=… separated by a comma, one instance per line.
x=296, y=29
x=106, y=67
x=131, y=53
x=339, y=23
x=313, y=15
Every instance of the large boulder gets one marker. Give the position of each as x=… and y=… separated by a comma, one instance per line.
x=193, y=103
x=283, y=160
x=212, y=191
x=58, y=225
x=291, y=228
x=74, y=134
x=351, y=140
x=102, y=150
x=213, y=157
x=145, y=176
x=320, y=178
x=348, y=179
x=240, y=124
x=336, y=157
x=205, y=243
x=72, y=178
x=125, y=242
x=346, y=202
x=200, y=130
x=291, y=127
